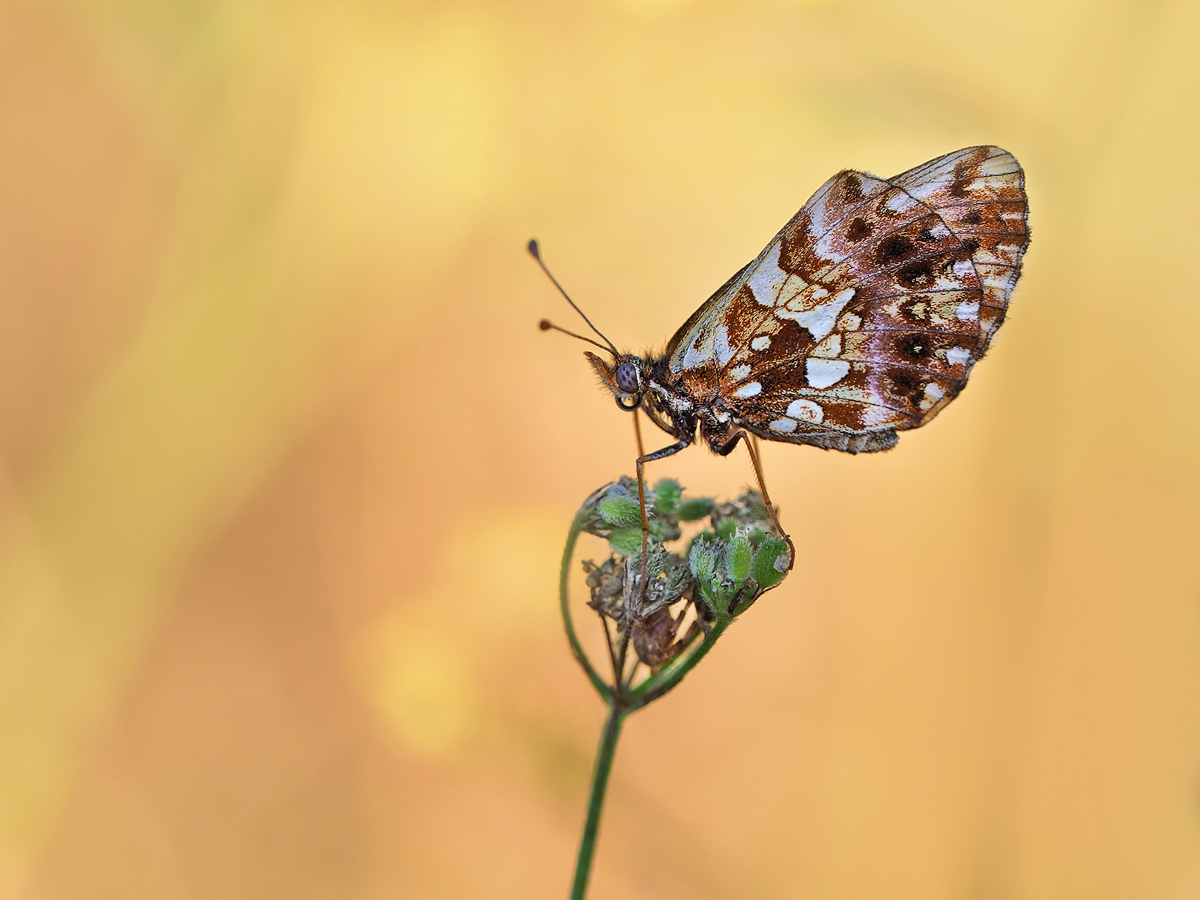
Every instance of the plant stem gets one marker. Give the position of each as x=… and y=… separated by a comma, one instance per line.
x=564, y=603
x=591, y=827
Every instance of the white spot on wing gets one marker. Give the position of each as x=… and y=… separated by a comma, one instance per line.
x=793, y=287
x=820, y=321
x=850, y=322
x=762, y=342
x=737, y=373
x=752, y=389
x=876, y=412
x=957, y=356
x=1002, y=280
x=933, y=394
x=823, y=373
x=723, y=350
x=767, y=279
x=830, y=348
x=783, y=426
x=806, y=410
x=1000, y=164
x=899, y=202
x=700, y=352
x=967, y=311
x=827, y=247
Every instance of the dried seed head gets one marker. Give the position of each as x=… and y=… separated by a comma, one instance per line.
x=727, y=568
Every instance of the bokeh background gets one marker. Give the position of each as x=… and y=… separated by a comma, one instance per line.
x=286, y=464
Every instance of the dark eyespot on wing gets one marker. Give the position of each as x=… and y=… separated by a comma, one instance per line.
x=894, y=248
x=859, y=229
x=850, y=187
x=916, y=276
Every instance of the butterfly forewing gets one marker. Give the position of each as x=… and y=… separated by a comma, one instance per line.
x=867, y=311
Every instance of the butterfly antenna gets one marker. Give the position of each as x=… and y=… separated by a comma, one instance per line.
x=545, y=325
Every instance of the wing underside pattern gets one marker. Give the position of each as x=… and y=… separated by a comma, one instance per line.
x=867, y=311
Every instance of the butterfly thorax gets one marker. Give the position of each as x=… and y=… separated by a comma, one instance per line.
x=680, y=406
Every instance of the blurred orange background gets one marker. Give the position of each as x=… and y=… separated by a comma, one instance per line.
x=287, y=464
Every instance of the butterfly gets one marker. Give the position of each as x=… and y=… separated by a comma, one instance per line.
x=862, y=318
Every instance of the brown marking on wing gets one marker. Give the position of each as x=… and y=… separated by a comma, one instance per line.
x=918, y=395
x=859, y=229
x=834, y=209
x=795, y=254
x=742, y=317
x=703, y=382
x=966, y=171
x=849, y=187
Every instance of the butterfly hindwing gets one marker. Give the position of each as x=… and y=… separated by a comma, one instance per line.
x=980, y=193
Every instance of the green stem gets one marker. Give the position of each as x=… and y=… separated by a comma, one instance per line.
x=564, y=603
x=591, y=827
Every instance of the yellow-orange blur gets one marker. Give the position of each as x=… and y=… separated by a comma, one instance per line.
x=287, y=463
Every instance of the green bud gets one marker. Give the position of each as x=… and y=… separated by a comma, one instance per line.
x=620, y=511
x=737, y=557
x=695, y=508
x=626, y=541
x=663, y=530
x=702, y=559
x=666, y=495
x=769, y=565
x=716, y=592
x=726, y=529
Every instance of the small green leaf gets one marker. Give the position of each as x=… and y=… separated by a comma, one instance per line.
x=626, y=541
x=695, y=508
x=620, y=511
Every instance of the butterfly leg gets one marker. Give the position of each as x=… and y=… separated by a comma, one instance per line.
x=752, y=449
x=641, y=462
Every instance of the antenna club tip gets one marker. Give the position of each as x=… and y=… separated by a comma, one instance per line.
x=532, y=247
x=545, y=325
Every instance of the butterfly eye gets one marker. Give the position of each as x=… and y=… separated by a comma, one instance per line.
x=627, y=378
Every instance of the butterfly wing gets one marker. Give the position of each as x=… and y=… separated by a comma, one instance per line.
x=865, y=314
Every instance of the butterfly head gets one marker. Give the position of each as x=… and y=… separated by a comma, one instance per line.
x=625, y=376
